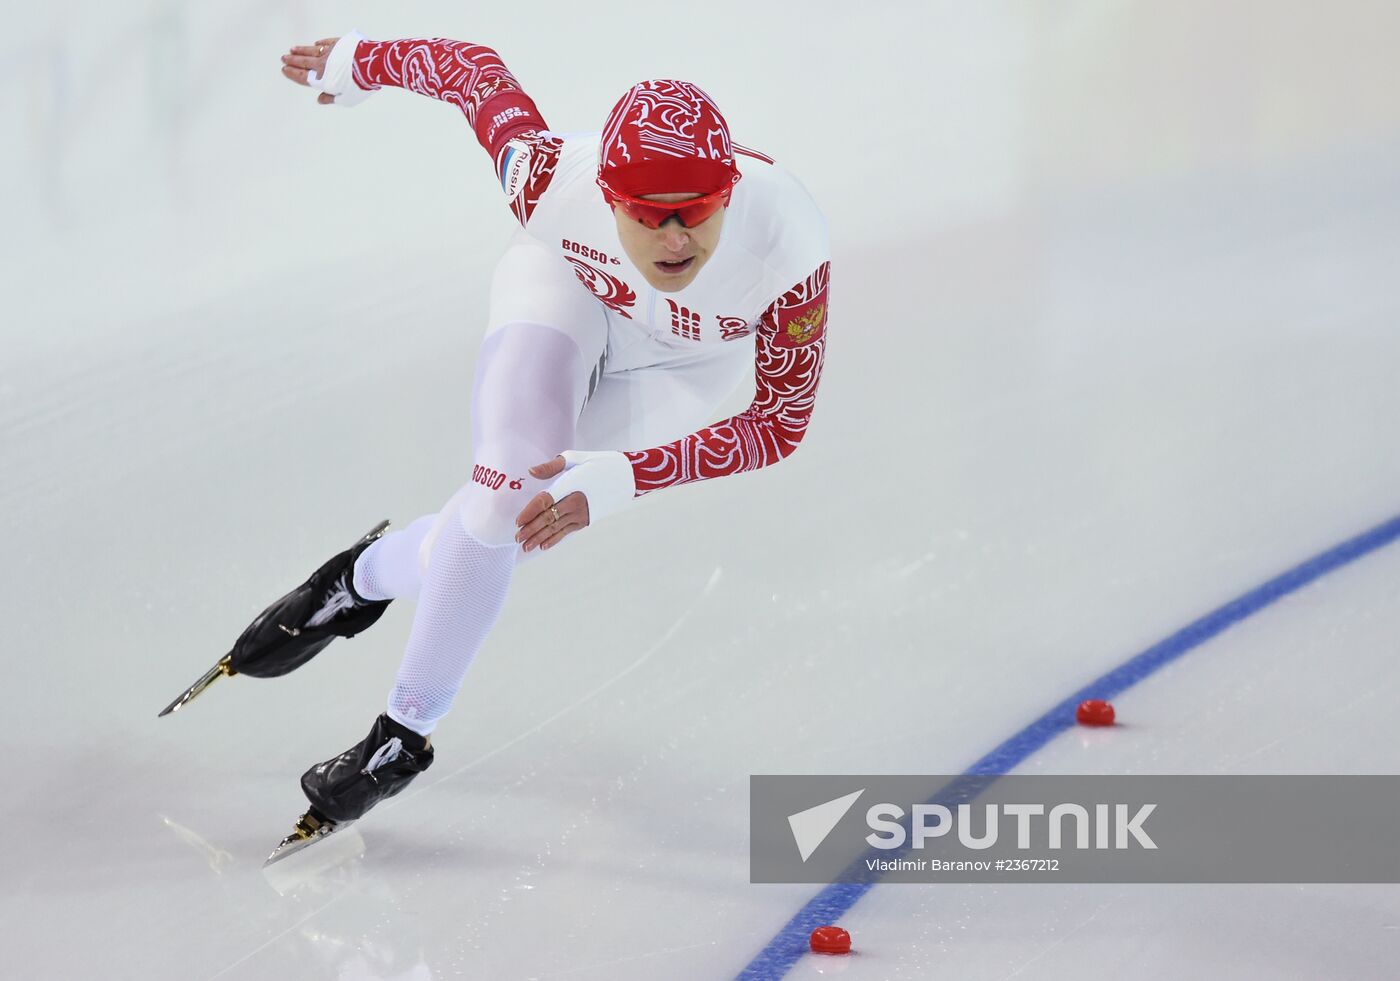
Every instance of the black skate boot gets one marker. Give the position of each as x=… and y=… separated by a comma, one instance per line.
x=344, y=787
x=298, y=626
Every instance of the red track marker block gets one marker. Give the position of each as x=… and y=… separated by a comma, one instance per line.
x=831, y=940
x=1094, y=712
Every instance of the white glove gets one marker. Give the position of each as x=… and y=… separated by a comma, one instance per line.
x=338, y=80
x=603, y=477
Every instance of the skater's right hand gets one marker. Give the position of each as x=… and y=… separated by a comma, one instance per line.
x=305, y=58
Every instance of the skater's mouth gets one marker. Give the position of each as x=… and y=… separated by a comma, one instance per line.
x=675, y=268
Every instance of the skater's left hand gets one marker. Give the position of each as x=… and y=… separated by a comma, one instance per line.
x=587, y=487
x=538, y=527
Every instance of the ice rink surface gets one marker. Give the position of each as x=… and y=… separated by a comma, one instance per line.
x=1115, y=338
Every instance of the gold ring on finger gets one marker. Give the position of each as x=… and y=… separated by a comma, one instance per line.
x=320, y=50
x=554, y=510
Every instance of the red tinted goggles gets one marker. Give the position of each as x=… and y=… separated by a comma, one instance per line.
x=653, y=214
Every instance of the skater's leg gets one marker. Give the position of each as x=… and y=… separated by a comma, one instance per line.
x=531, y=382
x=541, y=356
x=389, y=569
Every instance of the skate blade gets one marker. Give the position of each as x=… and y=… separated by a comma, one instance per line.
x=310, y=828
x=329, y=866
x=223, y=669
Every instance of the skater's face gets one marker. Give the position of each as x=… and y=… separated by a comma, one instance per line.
x=670, y=256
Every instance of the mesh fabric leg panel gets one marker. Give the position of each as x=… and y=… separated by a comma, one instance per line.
x=462, y=595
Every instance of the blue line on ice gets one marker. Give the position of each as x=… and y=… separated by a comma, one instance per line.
x=829, y=905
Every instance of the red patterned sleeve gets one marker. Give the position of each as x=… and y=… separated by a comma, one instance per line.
x=789, y=351
x=473, y=78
